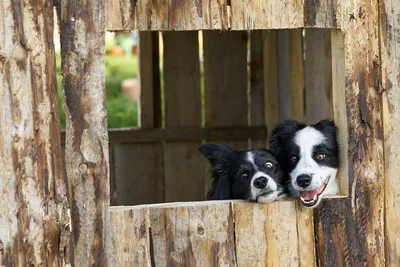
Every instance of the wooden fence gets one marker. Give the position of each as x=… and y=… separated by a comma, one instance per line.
x=255, y=71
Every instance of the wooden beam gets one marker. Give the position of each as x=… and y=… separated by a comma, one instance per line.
x=137, y=135
x=390, y=39
x=34, y=218
x=362, y=241
x=87, y=155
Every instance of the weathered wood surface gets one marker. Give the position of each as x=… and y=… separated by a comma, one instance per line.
x=318, y=75
x=362, y=215
x=256, y=80
x=324, y=14
x=390, y=60
x=183, y=182
x=130, y=235
x=87, y=155
x=193, y=234
x=139, y=179
x=225, y=82
x=34, y=222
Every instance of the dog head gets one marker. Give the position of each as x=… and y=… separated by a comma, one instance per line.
x=309, y=154
x=250, y=175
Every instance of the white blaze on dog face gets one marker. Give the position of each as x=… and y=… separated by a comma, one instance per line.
x=309, y=154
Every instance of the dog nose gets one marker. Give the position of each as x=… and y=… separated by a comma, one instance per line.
x=304, y=180
x=260, y=182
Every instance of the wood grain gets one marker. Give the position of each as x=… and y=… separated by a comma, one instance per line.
x=225, y=82
x=364, y=211
x=87, y=155
x=318, y=75
x=323, y=14
x=271, y=229
x=121, y=15
x=34, y=220
x=193, y=234
x=183, y=182
x=389, y=32
x=130, y=235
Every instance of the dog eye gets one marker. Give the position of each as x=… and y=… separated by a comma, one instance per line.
x=320, y=156
x=294, y=158
x=268, y=165
x=244, y=176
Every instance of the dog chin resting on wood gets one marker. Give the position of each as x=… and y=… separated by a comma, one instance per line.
x=252, y=175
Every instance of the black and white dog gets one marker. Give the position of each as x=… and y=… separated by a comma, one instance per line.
x=309, y=154
x=249, y=175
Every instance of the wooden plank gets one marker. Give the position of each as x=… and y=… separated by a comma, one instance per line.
x=323, y=14
x=87, y=155
x=193, y=234
x=257, y=104
x=120, y=15
x=339, y=107
x=391, y=121
x=225, y=82
x=364, y=210
x=183, y=182
x=271, y=93
x=138, y=165
x=34, y=219
x=251, y=15
x=130, y=236
x=181, y=15
x=296, y=72
x=271, y=229
x=149, y=110
x=284, y=86
x=318, y=75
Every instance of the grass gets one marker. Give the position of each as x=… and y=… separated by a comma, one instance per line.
x=121, y=112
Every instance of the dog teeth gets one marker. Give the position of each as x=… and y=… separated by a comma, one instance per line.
x=315, y=198
x=302, y=199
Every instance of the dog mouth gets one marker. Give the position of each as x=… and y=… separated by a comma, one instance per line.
x=311, y=198
x=264, y=194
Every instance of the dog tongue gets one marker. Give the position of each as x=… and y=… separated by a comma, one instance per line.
x=309, y=195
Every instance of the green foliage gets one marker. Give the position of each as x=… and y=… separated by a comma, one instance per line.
x=121, y=112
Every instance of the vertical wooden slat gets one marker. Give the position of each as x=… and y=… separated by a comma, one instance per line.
x=34, y=208
x=318, y=75
x=271, y=94
x=390, y=13
x=225, y=82
x=87, y=155
x=257, y=104
x=183, y=163
x=284, y=79
x=362, y=240
x=266, y=234
x=138, y=167
x=130, y=236
x=193, y=235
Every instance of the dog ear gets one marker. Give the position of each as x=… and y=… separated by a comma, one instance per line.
x=219, y=156
x=327, y=126
x=215, y=153
x=281, y=133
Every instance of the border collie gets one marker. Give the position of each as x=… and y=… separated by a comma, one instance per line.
x=309, y=154
x=249, y=175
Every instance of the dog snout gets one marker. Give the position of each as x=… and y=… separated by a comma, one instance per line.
x=303, y=180
x=260, y=182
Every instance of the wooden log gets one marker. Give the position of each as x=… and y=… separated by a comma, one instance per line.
x=266, y=234
x=34, y=219
x=251, y=15
x=225, y=55
x=193, y=234
x=130, y=235
x=389, y=34
x=183, y=182
x=364, y=211
x=318, y=75
x=181, y=15
x=139, y=179
x=87, y=155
